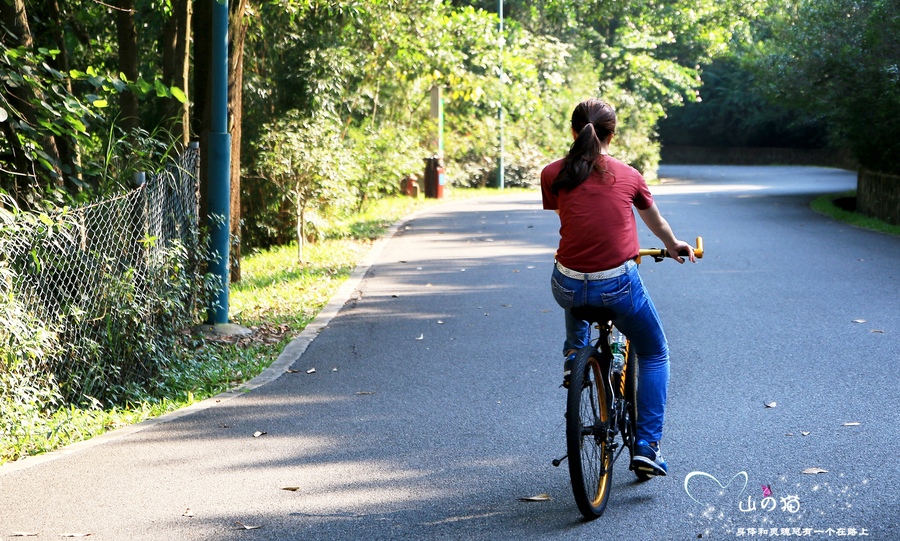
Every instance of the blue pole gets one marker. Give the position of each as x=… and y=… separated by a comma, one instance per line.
x=220, y=162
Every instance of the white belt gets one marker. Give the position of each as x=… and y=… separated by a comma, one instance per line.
x=602, y=275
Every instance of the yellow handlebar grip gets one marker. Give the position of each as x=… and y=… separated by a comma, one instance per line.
x=698, y=251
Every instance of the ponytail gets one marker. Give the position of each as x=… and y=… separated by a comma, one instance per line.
x=580, y=160
x=593, y=120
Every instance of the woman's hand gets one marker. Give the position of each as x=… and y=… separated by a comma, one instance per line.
x=678, y=247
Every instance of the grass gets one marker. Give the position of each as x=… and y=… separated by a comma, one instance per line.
x=829, y=205
x=277, y=297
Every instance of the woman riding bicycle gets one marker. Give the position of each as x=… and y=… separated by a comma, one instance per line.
x=595, y=264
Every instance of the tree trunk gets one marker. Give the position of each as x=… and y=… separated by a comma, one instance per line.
x=176, y=68
x=301, y=222
x=69, y=153
x=14, y=15
x=128, y=62
x=202, y=117
x=238, y=32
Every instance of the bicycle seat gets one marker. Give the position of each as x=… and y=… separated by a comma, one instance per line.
x=593, y=314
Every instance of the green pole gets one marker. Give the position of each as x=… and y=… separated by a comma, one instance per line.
x=220, y=163
x=500, y=112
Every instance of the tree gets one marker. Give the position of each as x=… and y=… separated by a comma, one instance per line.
x=307, y=162
x=128, y=63
x=26, y=97
x=838, y=59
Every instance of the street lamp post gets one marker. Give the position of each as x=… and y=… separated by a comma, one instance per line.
x=220, y=162
x=500, y=112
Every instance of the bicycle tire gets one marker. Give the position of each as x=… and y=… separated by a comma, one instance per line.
x=630, y=386
x=587, y=415
x=627, y=390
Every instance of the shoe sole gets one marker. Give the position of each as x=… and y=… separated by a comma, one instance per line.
x=647, y=467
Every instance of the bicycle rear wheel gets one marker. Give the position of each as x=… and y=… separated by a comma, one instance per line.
x=630, y=383
x=587, y=419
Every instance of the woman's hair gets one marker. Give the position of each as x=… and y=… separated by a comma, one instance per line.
x=593, y=121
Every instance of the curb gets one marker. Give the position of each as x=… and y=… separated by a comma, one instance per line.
x=291, y=354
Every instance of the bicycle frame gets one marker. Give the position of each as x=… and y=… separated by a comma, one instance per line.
x=593, y=422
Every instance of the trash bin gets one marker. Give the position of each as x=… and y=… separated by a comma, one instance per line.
x=410, y=186
x=434, y=177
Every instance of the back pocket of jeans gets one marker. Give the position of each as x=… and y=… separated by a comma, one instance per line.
x=620, y=299
x=564, y=297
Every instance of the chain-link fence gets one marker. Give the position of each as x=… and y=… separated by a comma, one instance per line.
x=113, y=282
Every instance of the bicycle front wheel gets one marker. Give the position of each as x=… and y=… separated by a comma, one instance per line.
x=587, y=419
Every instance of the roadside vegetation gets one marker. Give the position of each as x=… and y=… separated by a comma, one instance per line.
x=842, y=207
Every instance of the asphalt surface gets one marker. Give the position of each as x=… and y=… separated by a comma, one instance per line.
x=435, y=402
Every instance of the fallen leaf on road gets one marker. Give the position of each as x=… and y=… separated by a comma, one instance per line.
x=440, y=322
x=258, y=434
x=530, y=267
x=291, y=489
x=23, y=534
x=311, y=371
x=879, y=331
x=789, y=434
x=188, y=512
x=242, y=526
x=859, y=321
x=421, y=337
x=363, y=393
x=506, y=305
x=292, y=371
x=852, y=423
x=334, y=369
x=805, y=433
x=814, y=471
x=75, y=534
x=771, y=404
x=515, y=270
x=538, y=498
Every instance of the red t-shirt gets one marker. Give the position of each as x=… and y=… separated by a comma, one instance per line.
x=598, y=230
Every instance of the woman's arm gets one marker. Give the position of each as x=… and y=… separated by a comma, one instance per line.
x=660, y=227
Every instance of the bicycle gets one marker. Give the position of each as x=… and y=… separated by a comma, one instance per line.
x=601, y=405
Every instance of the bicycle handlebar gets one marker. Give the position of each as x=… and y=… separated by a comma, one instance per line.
x=658, y=254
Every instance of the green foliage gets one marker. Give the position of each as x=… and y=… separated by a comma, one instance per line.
x=39, y=107
x=308, y=164
x=838, y=60
x=736, y=113
x=385, y=155
x=828, y=205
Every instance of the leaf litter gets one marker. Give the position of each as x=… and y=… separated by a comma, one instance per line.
x=538, y=498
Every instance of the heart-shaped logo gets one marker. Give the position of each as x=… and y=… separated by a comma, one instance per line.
x=694, y=474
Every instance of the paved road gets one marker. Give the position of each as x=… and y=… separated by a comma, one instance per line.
x=434, y=405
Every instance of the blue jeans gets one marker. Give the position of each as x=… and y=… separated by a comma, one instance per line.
x=636, y=317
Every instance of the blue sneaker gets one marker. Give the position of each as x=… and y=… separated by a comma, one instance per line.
x=646, y=460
